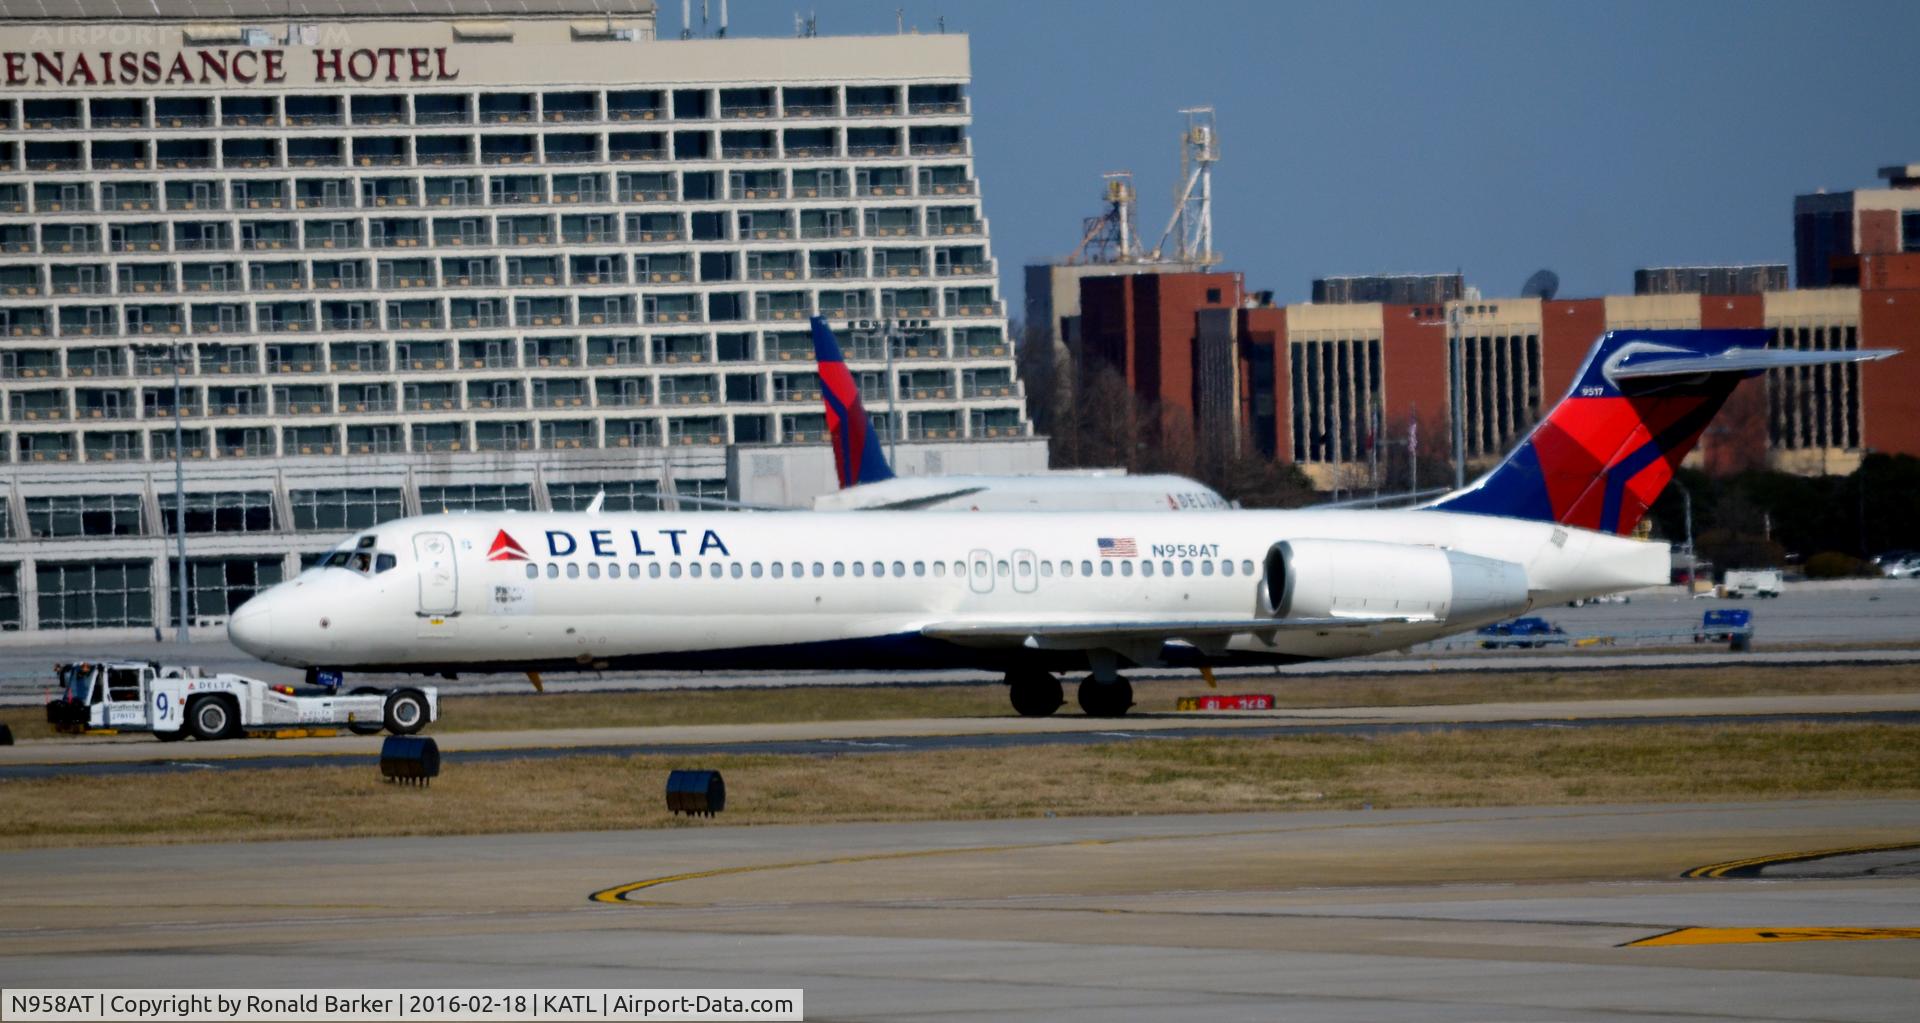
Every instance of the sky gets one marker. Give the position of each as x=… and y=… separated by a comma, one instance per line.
x=1492, y=138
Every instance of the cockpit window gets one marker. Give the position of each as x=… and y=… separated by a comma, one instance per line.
x=365, y=542
x=384, y=562
x=362, y=563
x=338, y=559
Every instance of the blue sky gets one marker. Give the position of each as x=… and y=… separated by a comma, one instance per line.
x=1494, y=138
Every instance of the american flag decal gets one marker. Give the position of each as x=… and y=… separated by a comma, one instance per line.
x=1117, y=547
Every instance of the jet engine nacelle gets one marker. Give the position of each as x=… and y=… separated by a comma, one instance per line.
x=1335, y=578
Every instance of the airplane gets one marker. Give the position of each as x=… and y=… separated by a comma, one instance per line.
x=1030, y=595
x=867, y=482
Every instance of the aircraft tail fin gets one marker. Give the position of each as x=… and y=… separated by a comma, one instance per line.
x=856, y=448
x=1606, y=451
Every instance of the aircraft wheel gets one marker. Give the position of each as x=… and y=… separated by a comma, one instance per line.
x=406, y=711
x=1106, y=699
x=1035, y=694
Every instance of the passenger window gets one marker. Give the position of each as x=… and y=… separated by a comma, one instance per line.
x=1086, y=568
x=1166, y=568
x=633, y=570
x=593, y=570
x=533, y=570
x=1206, y=568
x=839, y=569
x=819, y=570
x=939, y=570
x=1066, y=568
x=779, y=569
x=1146, y=568
x=879, y=569
x=674, y=570
x=919, y=568
x=1126, y=567
x=713, y=569
x=734, y=570
x=899, y=570
x=1246, y=567
x=1106, y=568
x=859, y=569
x=1226, y=567
x=1026, y=569
x=756, y=569
x=553, y=570
x=980, y=569
x=653, y=570
x=1000, y=568
x=1046, y=569
x=960, y=569
x=613, y=570
x=693, y=569
x=799, y=570
x=573, y=570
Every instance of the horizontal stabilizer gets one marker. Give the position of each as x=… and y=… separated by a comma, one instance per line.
x=1642, y=365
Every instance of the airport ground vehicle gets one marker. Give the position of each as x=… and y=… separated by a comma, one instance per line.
x=1730, y=625
x=1526, y=632
x=1764, y=582
x=174, y=702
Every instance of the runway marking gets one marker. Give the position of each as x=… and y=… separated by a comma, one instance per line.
x=619, y=893
x=1752, y=866
x=1762, y=935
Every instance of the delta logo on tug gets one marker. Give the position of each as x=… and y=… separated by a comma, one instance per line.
x=506, y=548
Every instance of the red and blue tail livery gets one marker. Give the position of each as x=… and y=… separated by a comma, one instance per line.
x=1601, y=456
x=856, y=448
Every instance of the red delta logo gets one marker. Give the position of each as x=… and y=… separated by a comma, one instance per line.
x=506, y=548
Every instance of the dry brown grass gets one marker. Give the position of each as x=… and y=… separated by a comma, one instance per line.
x=1466, y=768
x=880, y=702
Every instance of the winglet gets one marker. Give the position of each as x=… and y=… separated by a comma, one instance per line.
x=856, y=448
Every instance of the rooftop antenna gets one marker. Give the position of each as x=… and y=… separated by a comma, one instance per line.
x=703, y=17
x=686, y=19
x=723, y=19
x=1109, y=237
x=899, y=20
x=1191, y=227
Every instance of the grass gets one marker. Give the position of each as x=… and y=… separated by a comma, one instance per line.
x=683, y=707
x=1633, y=764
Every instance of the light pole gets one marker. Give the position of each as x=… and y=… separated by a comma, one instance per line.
x=889, y=330
x=1457, y=344
x=1686, y=499
x=179, y=498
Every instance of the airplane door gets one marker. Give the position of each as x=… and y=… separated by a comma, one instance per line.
x=980, y=571
x=1026, y=572
x=439, y=579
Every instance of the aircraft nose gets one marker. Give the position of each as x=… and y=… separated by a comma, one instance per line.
x=251, y=627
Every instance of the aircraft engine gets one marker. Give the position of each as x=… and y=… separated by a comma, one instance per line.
x=1332, y=578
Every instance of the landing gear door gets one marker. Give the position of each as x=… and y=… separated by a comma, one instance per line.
x=980, y=571
x=439, y=578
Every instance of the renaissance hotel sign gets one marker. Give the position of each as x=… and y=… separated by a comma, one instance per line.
x=52, y=69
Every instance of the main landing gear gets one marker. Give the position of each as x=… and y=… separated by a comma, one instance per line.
x=1037, y=694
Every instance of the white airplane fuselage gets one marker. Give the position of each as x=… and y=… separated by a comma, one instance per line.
x=574, y=591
